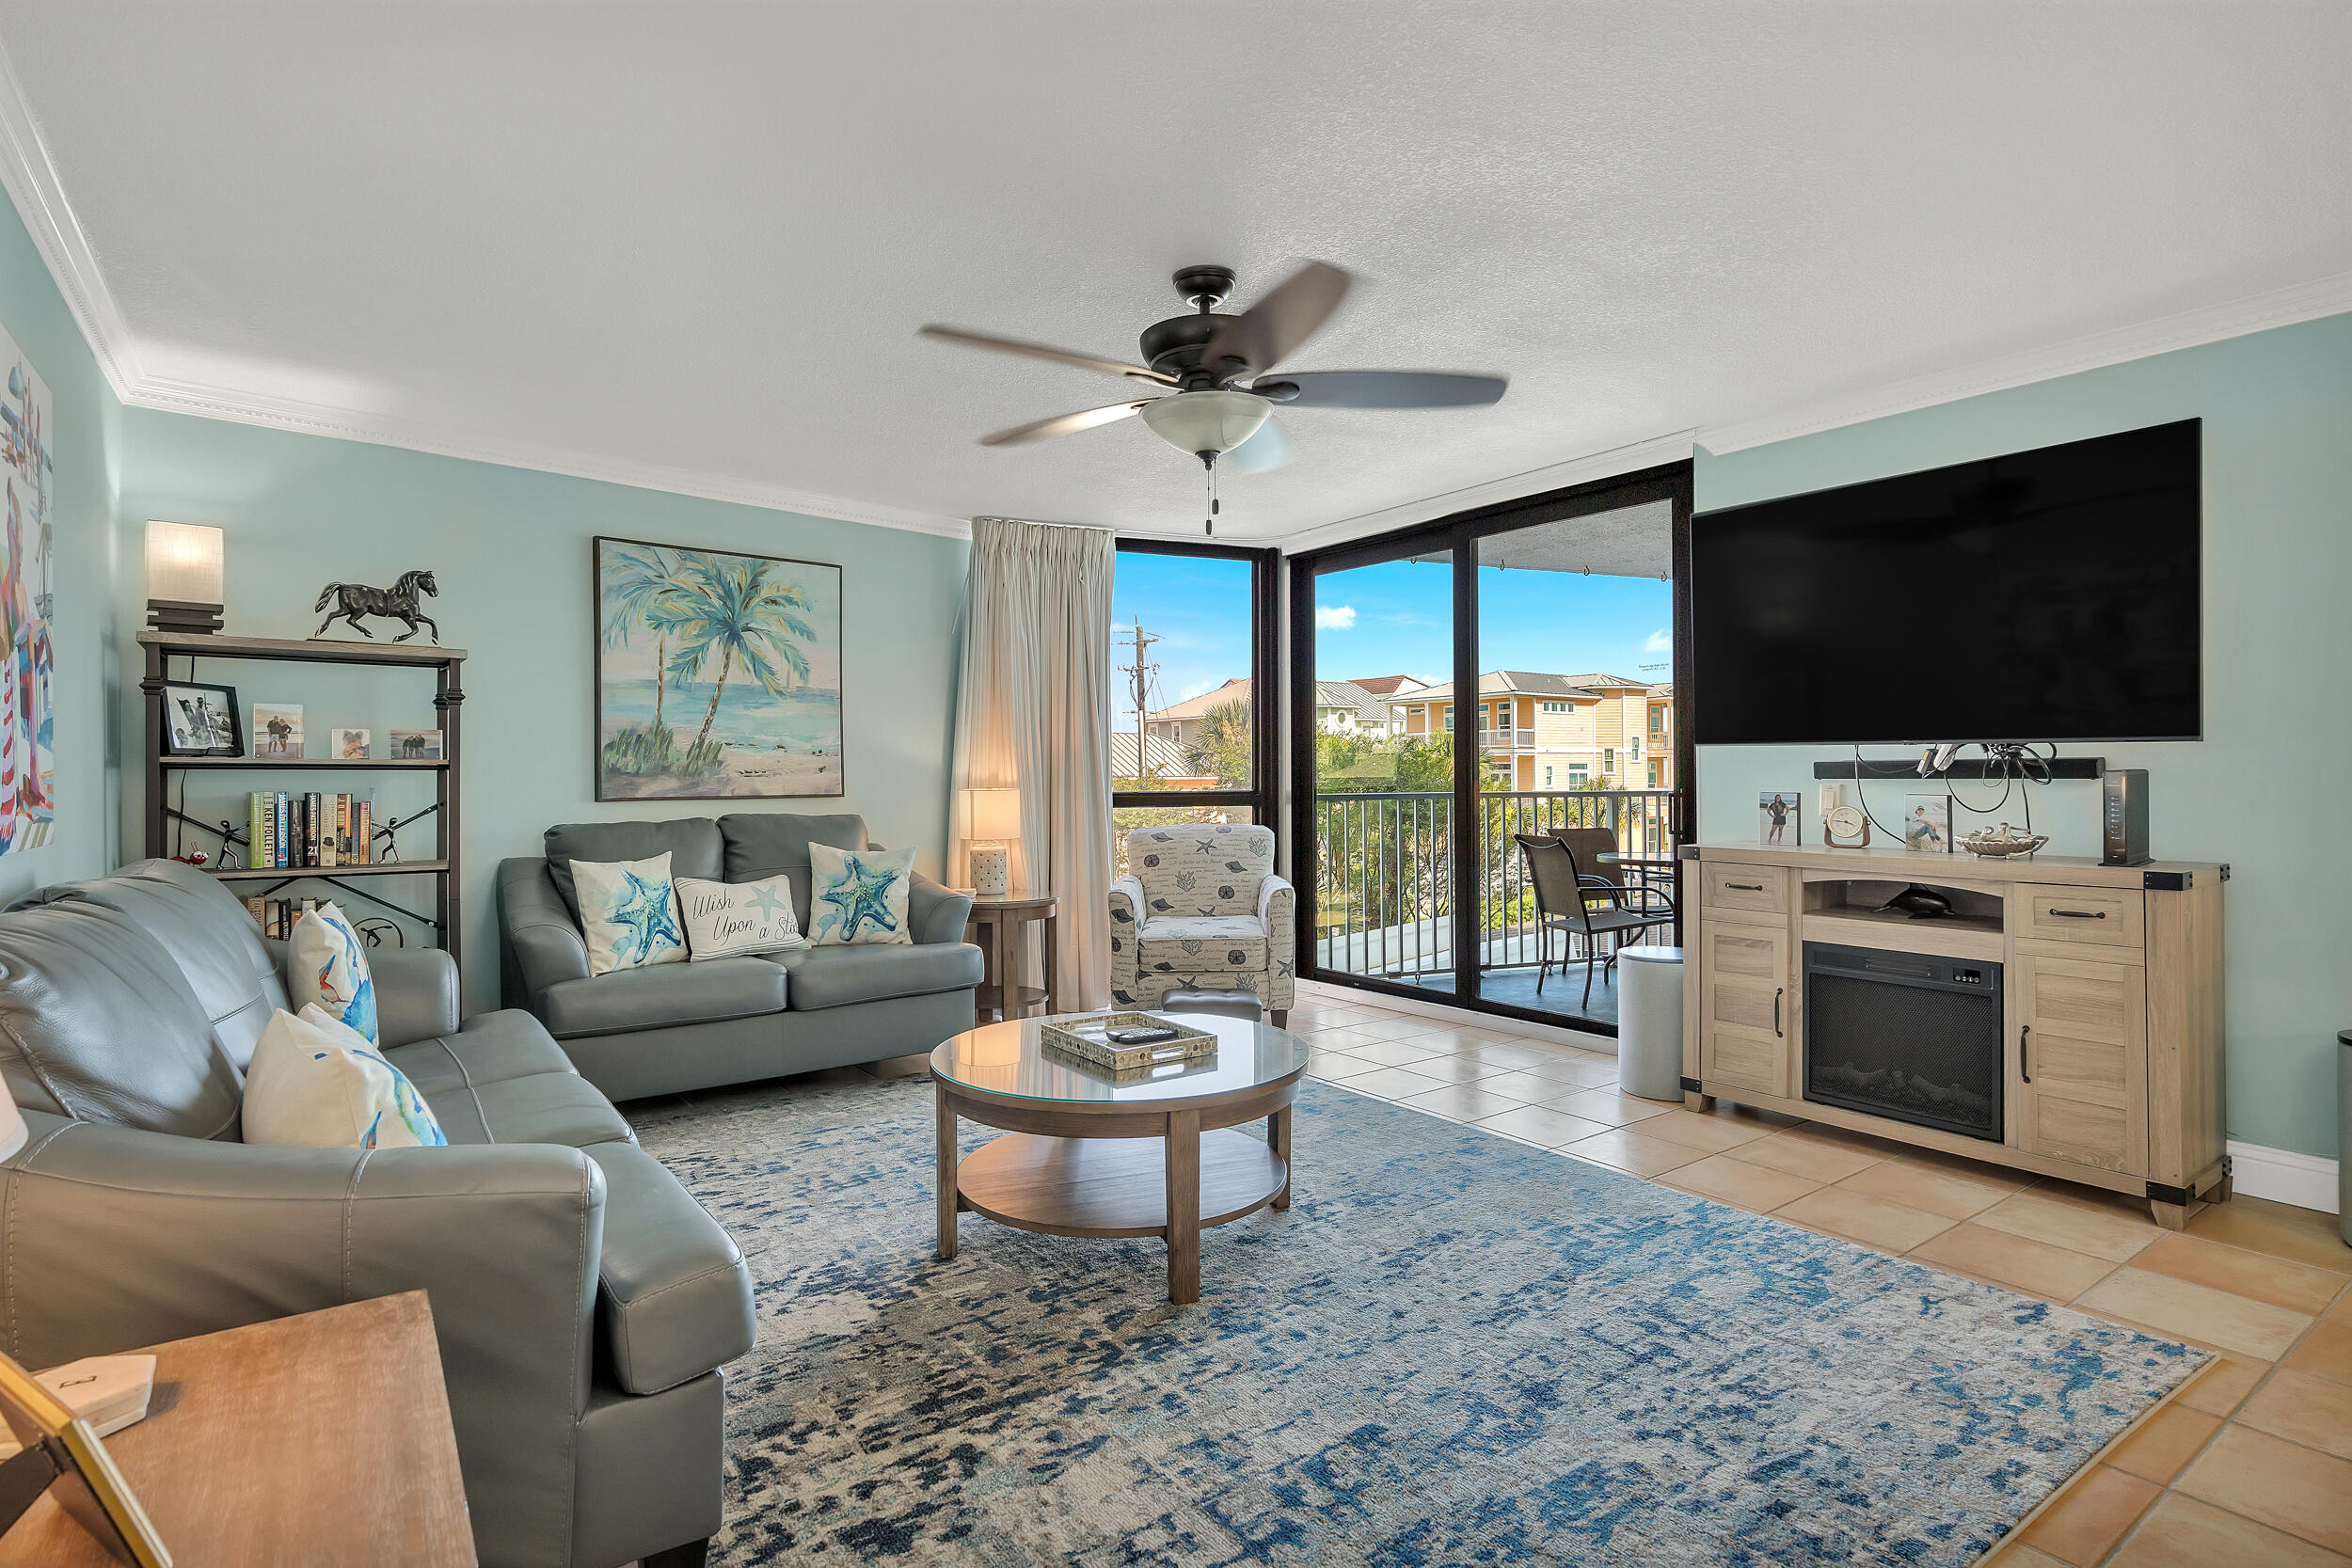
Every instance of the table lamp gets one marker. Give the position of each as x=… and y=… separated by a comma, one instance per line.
x=994, y=815
x=184, y=576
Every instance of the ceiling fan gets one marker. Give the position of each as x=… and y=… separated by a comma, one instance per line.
x=1213, y=391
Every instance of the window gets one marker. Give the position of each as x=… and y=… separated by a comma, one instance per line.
x=1576, y=775
x=1448, y=720
x=1653, y=775
x=1502, y=716
x=1191, y=740
x=1546, y=775
x=1554, y=707
x=1635, y=752
x=1608, y=759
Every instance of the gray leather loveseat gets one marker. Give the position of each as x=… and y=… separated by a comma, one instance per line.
x=674, y=1027
x=582, y=1300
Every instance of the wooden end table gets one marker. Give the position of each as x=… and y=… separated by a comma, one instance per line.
x=322, y=1438
x=1086, y=1155
x=1002, y=917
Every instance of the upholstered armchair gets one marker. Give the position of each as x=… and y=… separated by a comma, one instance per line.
x=1200, y=908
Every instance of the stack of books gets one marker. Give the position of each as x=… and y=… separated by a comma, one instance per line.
x=316, y=831
x=276, y=917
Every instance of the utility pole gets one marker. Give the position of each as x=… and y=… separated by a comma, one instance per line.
x=1139, y=681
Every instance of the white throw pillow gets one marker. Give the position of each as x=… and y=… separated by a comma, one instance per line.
x=315, y=1083
x=858, y=896
x=629, y=913
x=327, y=963
x=726, y=920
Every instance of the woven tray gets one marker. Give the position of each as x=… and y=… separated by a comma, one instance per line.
x=1083, y=1037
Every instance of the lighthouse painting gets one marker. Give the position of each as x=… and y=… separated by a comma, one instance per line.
x=28, y=740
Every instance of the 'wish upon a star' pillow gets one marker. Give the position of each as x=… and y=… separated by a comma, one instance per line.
x=726, y=920
x=629, y=913
x=858, y=896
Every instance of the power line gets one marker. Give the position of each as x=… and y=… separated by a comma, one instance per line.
x=1139, y=677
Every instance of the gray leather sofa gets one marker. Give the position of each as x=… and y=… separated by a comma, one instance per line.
x=582, y=1300
x=675, y=1027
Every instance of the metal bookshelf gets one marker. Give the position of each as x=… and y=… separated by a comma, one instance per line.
x=446, y=665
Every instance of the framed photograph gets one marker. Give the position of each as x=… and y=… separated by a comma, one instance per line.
x=1776, y=818
x=350, y=745
x=1928, y=824
x=82, y=1475
x=200, y=721
x=277, y=730
x=718, y=674
x=416, y=745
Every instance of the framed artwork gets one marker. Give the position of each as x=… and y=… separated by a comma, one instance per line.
x=417, y=745
x=277, y=730
x=200, y=721
x=28, y=800
x=718, y=674
x=349, y=745
x=1928, y=824
x=1776, y=818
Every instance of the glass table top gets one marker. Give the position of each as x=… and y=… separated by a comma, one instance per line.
x=1004, y=1059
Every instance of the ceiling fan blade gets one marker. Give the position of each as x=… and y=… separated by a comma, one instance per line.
x=1268, y=448
x=1383, y=389
x=1262, y=336
x=1063, y=424
x=1045, y=350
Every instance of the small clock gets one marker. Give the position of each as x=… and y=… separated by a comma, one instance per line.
x=1846, y=822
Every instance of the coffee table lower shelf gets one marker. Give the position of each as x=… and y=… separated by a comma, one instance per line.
x=1112, y=1186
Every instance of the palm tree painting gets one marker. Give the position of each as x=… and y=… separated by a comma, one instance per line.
x=718, y=674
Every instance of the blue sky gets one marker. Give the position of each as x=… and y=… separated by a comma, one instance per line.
x=1387, y=620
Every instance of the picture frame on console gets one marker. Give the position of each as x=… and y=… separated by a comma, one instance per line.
x=718, y=674
x=1928, y=824
x=1776, y=818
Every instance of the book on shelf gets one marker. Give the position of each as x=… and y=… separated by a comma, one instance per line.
x=314, y=837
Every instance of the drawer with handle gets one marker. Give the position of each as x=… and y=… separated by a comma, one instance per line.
x=2096, y=916
x=1753, y=892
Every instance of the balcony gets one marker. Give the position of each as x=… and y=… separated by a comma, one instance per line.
x=1384, y=895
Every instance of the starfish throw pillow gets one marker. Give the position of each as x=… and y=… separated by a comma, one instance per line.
x=858, y=896
x=726, y=920
x=629, y=913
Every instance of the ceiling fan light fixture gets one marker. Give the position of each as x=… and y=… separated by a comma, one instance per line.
x=1212, y=421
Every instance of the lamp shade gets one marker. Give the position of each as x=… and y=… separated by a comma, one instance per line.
x=183, y=564
x=12, y=1123
x=1207, y=421
x=994, y=814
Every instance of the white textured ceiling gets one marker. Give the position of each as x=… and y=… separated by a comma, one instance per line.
x=699, y=237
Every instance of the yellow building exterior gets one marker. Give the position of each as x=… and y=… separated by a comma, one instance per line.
x=1560, y=732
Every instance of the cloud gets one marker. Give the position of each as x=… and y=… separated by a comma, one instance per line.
x=1198, y=689
x=1661, y=642
x=1335, y=617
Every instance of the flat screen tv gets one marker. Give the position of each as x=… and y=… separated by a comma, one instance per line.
x=2050, y=595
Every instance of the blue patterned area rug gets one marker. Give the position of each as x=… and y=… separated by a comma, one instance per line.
x=1453, y=1350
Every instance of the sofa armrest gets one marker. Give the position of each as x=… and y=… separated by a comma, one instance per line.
x=936, y=912
x=1277, y=911
x=676, y=1296
x=114, y=1238
x=542, y=943
x=416, y=993
x=1126, y=927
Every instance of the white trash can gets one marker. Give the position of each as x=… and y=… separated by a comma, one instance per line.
x=1649, y=1023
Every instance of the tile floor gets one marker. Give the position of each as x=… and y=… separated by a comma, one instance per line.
x=2252, y=1465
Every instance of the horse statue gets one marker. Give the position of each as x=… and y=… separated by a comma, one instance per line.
x=396, y=603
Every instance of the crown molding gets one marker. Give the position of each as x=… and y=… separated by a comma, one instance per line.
x=2300, y=301
x=313, y=419
x=30, y=178
x=1649, y=453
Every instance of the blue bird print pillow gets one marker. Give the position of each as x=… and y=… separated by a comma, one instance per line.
x=314, y=1083
x=327, y=964
x=858, y=896
x=629, y=913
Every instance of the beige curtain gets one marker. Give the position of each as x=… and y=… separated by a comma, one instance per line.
x=1033, y=711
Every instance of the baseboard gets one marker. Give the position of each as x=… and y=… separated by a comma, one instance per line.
x=2282, y=1176
x=1461, y=1017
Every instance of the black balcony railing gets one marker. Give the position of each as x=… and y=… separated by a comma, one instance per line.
x=1384, y=872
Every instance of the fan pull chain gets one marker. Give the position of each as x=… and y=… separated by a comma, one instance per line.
x=1208, y=460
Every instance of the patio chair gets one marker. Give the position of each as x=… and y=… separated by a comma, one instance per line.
x=1592, y=903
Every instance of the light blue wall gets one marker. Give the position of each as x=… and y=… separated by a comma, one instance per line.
x=85, y=438
x=2262, y=790
x=511, y=550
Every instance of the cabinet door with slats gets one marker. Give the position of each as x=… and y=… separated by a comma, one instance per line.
x=2078, y=1062
x=1747, y=1007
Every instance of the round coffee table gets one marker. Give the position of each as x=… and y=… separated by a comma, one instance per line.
x=1088, y=1155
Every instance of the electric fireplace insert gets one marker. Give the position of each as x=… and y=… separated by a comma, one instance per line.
x=1904, y=1034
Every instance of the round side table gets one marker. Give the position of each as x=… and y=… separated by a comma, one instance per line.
x=996, y=928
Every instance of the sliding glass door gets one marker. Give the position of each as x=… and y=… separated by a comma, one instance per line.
x=1489, y=766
